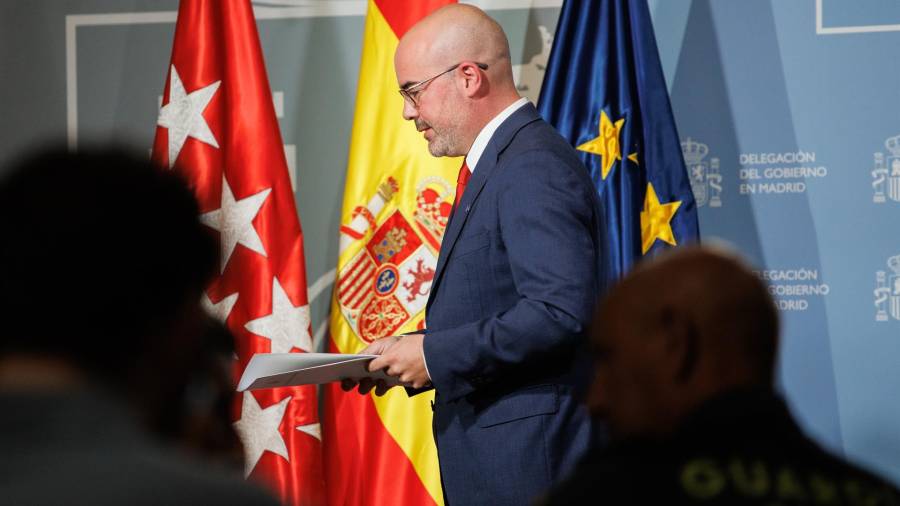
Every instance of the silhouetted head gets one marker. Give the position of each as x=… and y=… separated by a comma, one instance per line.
x=677, y=331
x=452, y=106
x=102, y=257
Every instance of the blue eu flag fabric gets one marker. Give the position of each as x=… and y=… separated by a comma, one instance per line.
x=604, y=91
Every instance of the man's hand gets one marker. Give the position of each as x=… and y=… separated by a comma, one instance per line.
x=377, y=347
x=405, y=360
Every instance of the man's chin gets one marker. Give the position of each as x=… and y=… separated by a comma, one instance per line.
x=438, y=149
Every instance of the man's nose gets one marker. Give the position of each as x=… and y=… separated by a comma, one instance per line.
x=409, y=111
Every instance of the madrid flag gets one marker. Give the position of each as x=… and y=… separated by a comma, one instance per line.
x=380, y=450
x=217, y=126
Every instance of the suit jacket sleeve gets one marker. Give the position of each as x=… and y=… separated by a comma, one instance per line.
x=548, y=225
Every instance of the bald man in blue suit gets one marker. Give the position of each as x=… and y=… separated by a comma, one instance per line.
x=520, y=269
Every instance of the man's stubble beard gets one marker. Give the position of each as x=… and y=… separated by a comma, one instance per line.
x=446, y=140
x=441, y=144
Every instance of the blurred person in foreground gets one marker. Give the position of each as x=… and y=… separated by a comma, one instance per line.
x=103, y=263
x=685, y=350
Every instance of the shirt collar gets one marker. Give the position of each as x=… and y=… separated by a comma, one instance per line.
x=487, y=132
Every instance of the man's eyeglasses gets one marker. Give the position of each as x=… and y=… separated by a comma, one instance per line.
x=412, y=91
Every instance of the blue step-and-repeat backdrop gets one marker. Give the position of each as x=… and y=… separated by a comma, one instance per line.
x=788, y=112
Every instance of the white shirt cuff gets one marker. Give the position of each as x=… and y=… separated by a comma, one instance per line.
x=424, y=361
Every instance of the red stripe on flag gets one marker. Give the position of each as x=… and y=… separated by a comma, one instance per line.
x=403, y=14
x=349, y=480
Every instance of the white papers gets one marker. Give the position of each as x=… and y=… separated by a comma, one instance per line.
x=270, y=370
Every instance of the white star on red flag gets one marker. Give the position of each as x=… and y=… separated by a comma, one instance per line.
x=183, y=115
x=258, y=430
x=234, y=220
x=287, y=326
x=220, y=310
x=313, y=429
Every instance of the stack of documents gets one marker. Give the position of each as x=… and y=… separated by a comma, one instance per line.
x=270, y=370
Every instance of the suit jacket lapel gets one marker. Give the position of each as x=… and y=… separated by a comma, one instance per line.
x=486, y=164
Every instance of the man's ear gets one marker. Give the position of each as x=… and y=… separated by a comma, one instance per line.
x=474, y=83
x=681, y=344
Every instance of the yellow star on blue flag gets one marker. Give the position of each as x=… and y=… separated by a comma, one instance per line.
x=656, y=220
x=607, y=144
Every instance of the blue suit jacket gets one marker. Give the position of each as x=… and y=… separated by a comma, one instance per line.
x=519, y=272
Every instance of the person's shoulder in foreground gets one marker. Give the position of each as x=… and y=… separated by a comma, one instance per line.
x=685, y=383
x=740, y=448
x=84, y=445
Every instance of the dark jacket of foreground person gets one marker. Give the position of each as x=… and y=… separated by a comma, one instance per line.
x=87, y=448
x=743, y=447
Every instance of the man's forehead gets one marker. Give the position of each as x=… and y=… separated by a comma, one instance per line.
x=414, y=68
x=405, y=61
x=402, y=69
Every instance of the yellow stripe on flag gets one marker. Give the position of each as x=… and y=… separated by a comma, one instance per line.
x=390, y=170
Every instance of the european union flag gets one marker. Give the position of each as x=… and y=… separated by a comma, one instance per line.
x=604, y=91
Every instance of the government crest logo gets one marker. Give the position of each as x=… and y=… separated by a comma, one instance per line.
x=887, y=291
x=386, y=284
x=886, y=174
x=705, y=177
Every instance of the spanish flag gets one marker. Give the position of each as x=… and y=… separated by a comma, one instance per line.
x=380, y=450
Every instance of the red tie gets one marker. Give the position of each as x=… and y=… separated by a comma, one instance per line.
x=464, y=175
